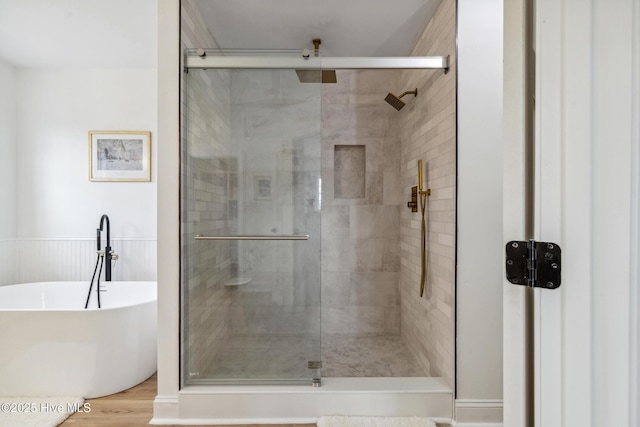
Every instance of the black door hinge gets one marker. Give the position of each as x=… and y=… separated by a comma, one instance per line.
x=533, y=264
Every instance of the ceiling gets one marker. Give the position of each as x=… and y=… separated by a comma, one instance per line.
x=79, y=33
x=123, y=33
x=346, y=27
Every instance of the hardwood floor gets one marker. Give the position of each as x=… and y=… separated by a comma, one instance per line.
x=132, y=407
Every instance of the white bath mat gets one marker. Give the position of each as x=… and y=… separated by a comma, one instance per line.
x=37, y=411
x=351, y=421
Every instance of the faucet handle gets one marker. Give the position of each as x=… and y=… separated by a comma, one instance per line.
x=114, y=257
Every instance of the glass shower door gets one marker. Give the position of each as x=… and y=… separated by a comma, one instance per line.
x=250, y=228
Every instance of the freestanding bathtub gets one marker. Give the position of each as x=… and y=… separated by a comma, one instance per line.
x=51, y=346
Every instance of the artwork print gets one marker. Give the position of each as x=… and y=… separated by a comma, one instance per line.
x=119, y=156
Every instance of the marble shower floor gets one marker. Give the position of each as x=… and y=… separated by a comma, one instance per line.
x=368, y=356
x=271, y=357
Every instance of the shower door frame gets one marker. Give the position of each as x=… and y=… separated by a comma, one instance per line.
x=196, y=60
x=174, y=404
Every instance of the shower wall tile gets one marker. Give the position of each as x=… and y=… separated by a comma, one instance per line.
x=336, y=289
x=360, y=271
x=392, y=320
x=365, y=82
x=391, y=189
x=366, y=319
x=374, y=221
x=374, y=289
x=348, y=120
x=375, y=187
x=427, y=130
x=338, y=254
x=335, y=320
x=335, y=221
x=391, y=256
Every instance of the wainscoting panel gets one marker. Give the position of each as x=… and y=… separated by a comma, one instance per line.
x=8, y=262
x=41, y=260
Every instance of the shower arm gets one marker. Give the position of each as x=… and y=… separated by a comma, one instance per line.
x=411, y=92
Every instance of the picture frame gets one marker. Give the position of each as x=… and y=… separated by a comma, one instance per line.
x=119, y=156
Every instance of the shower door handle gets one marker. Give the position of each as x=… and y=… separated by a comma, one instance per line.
x=256, y=237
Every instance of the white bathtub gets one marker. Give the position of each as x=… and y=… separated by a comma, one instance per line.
x=51, y=346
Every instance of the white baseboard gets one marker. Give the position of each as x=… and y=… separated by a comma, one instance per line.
x=478, y=412
x=165, y=410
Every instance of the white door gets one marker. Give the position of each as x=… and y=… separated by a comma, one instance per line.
x=587, y=121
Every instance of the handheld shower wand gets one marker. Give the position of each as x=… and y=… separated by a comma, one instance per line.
x=423, y=228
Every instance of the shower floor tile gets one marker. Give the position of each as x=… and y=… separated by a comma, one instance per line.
x=285, y=357
x=262, y=357
x=368, y=356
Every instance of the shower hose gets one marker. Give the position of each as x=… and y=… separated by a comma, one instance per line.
x=100, y=261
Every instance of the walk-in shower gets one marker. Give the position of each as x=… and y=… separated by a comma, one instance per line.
x=266, y=159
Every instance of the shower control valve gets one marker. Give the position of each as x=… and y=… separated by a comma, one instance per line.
x=413, y=204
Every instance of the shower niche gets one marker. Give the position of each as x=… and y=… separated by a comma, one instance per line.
x=349, y=169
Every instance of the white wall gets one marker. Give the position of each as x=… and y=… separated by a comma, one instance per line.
x=166, y=402
x=49, y=207
x=8, y=156
x=56, y=110
x=479, y=274
x=8, y=144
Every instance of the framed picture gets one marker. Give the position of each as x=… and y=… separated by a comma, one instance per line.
x=262, y=188
x=119, y=156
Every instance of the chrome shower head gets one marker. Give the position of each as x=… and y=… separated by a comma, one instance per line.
x=396, y=102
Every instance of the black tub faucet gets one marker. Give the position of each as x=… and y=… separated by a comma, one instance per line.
x=108, y=253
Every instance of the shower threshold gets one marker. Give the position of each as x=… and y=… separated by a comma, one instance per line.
x=296, y=404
